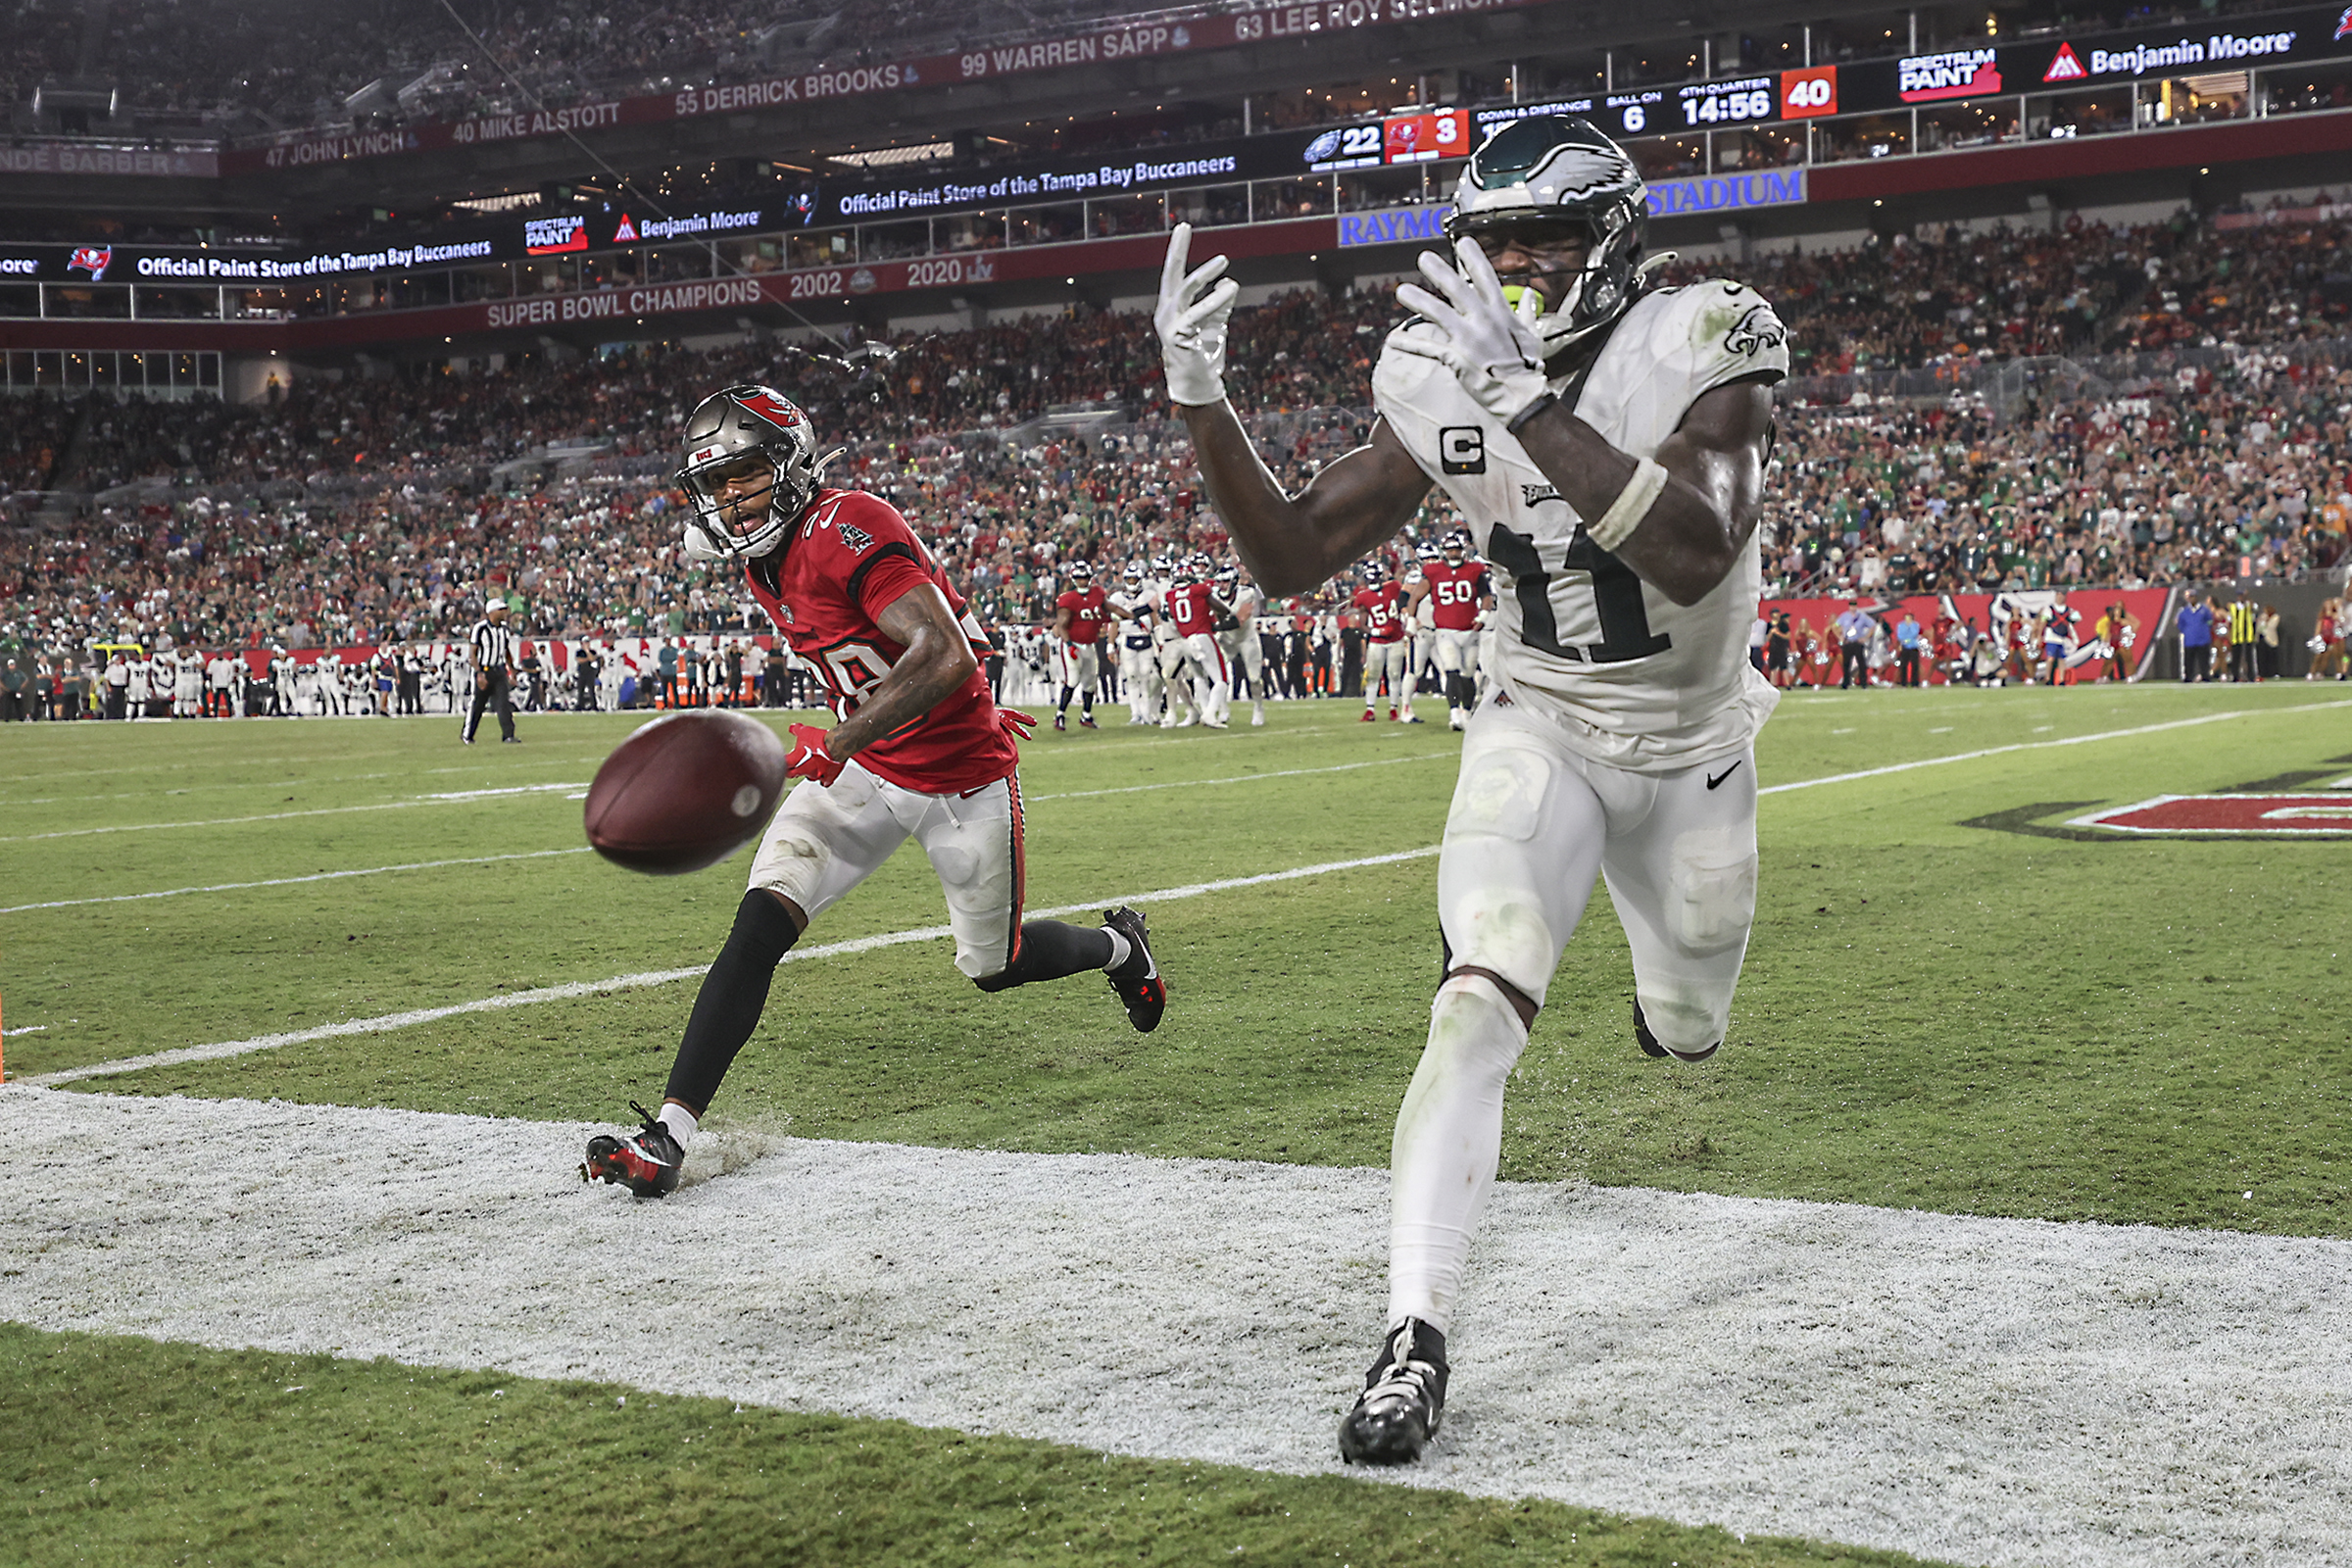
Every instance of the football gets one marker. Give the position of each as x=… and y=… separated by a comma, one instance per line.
x=685, y=792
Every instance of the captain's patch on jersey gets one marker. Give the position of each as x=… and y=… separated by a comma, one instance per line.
x=2269, y=815
x=1462, y=449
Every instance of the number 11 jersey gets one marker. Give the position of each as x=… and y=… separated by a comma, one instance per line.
x=1636, y=680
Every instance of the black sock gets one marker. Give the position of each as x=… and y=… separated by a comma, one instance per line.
x=1048, y=950
x=734, y=993
x=1063, y=706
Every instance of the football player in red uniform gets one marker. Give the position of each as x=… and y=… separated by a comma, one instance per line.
x=1380, y=602
x=918, y=749
x=1192, y=610
x=1453, y=601
x=1079, y=615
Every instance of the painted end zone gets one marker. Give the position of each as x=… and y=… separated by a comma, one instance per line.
x=2269, y=816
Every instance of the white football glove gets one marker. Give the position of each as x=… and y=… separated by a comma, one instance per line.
x=1190, y=320
x=1491, y=349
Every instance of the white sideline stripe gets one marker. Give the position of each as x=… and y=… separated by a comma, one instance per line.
x=290, y=881
x=1979, y=1390
x=385, y=1022
x=2037, y=746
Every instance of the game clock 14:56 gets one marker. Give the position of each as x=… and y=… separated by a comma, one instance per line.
x=1708, y=105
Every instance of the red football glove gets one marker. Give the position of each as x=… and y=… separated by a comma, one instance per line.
x=1015, y=723
x=810, y=759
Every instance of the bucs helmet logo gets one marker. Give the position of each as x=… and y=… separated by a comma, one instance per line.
x=92, y=259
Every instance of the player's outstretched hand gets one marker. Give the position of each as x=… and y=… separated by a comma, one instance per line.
x=809, y=758
x=1190, y=320
x=1491, y=349
x=1015, y=723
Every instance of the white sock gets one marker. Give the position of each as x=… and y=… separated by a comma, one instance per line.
x=1120, y=949
x=680, y=1121
x=1448, y=1138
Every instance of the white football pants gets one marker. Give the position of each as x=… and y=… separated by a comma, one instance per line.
x=826, y=839
x=1212, y=677
x=1139, y=672
x=1387, y=660
x=1245, y=659
x=1532, y=824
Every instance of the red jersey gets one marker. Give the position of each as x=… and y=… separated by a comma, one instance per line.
x=850, y=558
x=1189, y=608
x=1089, y=610
x=1384, y=613
x=1453, y=594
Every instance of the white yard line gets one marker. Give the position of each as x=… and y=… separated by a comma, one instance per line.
x=1982, y=1390
x=290, y=881
x=449, y=796
x=2038, y=746
x=656, y=977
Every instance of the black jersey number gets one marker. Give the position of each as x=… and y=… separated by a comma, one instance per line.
x=1616, y=599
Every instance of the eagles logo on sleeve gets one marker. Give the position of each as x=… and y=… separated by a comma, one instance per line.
x=1758, y=330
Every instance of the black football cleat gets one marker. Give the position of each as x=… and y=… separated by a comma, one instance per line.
x=1137, y=981
x=1650, y=1046
x=645, y=1162
x=1404, y=1399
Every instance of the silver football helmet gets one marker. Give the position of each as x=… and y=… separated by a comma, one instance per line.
x=741, y=433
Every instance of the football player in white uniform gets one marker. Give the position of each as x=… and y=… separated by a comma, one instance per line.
x=1610, y=440
x=1420, y=631
x=1245, y=655
x=1138, y=654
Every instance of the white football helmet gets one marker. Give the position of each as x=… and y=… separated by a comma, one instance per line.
x=1558, y=170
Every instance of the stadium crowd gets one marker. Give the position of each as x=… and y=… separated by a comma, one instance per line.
x=364, y=511
x=286, y=64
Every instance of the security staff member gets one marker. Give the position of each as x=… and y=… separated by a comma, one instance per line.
x=493, y=671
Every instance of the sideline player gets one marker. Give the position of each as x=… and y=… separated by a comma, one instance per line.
x=1452, y=603
x=1387, y=647
x=918, y=749
x=1618, y=435
x=1078, y=616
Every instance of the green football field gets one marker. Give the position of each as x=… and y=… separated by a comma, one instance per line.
x=1952, y=1003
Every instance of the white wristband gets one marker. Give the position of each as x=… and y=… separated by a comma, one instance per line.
x=1632, y=505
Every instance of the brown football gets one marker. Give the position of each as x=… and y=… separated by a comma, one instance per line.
x=685, y=792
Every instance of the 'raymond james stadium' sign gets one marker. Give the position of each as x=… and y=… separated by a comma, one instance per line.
x=1668, y=198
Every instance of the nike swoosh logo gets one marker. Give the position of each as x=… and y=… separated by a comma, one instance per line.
x=1726, y=773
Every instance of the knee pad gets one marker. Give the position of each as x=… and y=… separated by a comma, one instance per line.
x=1711, y=891
x=1474, y=1030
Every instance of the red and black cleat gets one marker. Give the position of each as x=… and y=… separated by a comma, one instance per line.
x=1137, y=981
x=645, y=1162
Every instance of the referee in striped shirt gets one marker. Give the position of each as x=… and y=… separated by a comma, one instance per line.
x=493, y=671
